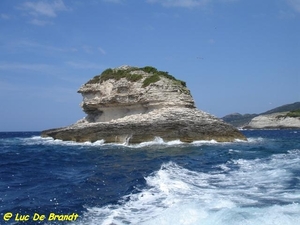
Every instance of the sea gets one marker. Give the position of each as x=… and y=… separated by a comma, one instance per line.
x=255, y=182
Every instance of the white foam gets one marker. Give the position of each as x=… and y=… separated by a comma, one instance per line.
x=244, y=192
x=199, y=143
x=236, y=141
x=256, y=140
x=50, y=141
x=157, y=141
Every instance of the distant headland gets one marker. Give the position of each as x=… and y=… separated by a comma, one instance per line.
x=133, y=105
x=282, y=117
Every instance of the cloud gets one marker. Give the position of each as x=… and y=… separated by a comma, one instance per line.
x=42, y=11
x=32, y=46
x=113, y=1
x=180, y=3
x=24, y=45
x=40, y=22
x=5, y=86
x=44, y=8
x=87, y=49
x=228, y=1
x=91, y=50
x=39, y=70
x=188, y=3
x=286, y=14
x=295, y=4
x=5, y=16
x=102, y=50
x=211, y=41
x=84, y=65
x=24, y=66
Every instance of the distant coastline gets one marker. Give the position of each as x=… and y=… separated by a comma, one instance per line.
x=282, y=117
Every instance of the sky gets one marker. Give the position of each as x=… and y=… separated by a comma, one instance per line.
x=235, y=55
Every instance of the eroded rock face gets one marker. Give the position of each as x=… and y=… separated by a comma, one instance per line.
x=274, y=121
x=113, y=99
x=134, y=105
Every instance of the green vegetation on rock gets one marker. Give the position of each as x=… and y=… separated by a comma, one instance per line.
x=239, y=120
x=152, y=79
x=154, y=71
x=284, y=108
x=117, y=74
x=294, y=113
x=149, y=69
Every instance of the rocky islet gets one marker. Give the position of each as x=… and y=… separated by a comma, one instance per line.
x=134, y=105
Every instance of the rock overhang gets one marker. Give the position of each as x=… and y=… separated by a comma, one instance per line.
x=133, y=89
x=138, y=104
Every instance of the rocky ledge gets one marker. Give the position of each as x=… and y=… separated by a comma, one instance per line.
x=133, y=105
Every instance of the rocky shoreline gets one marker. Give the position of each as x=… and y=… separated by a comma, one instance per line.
x=274, y=121
x=282, y=117
x=134, y=105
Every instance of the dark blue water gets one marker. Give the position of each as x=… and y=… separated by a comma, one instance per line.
x=253, y=182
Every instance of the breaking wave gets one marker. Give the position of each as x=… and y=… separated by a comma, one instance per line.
x=157, y=141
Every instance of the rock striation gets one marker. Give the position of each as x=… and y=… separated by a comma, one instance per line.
x=274, y=121
x=133, y=105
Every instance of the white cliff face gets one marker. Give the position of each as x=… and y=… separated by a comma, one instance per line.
x=129, y=105
x=113, y=99
x=275, y=120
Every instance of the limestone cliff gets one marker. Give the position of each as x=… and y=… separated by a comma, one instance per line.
x=132, y=91
x=284, y=118
x=274, y=121
x=130, y=104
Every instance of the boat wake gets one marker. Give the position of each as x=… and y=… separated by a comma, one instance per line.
x=260, y=191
